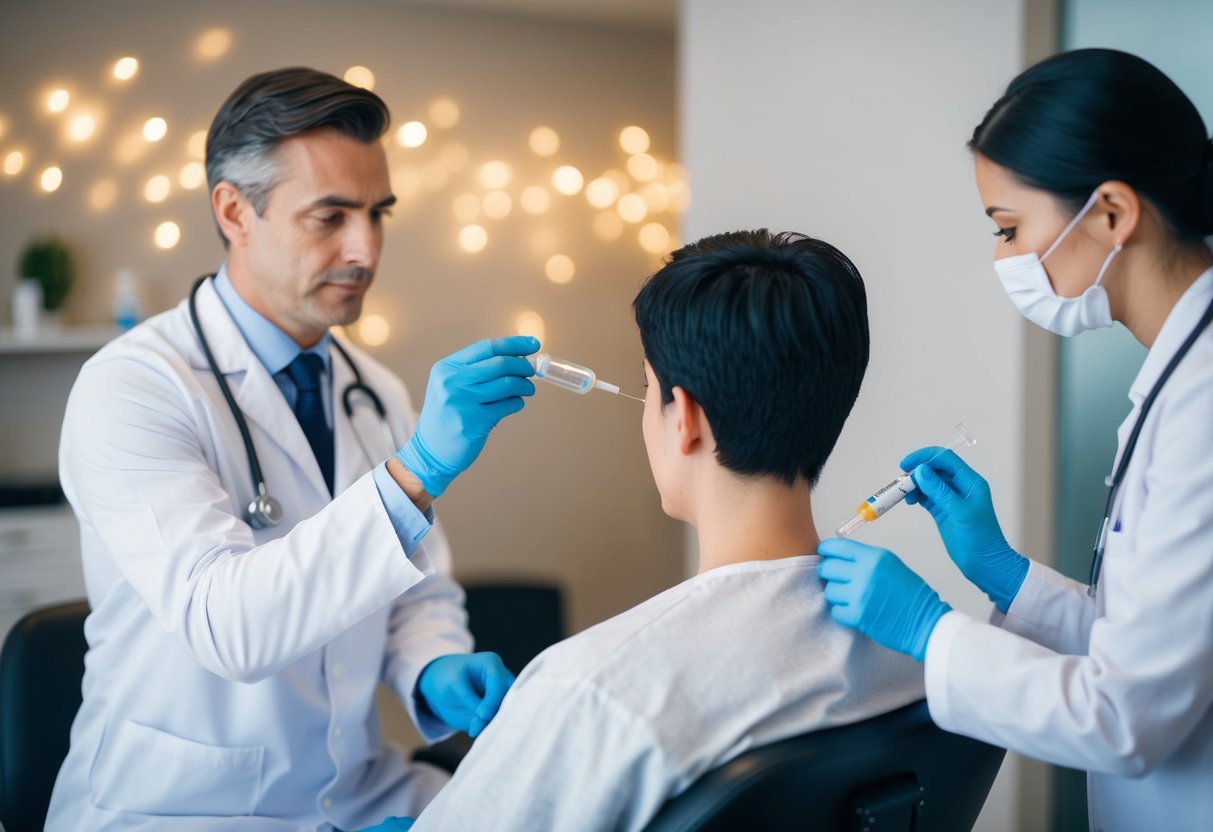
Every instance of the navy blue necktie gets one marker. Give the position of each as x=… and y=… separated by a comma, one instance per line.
x=305, y=371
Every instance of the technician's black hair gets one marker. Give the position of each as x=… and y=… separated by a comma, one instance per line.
x=1081, y=118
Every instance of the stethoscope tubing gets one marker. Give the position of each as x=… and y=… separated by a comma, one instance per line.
x=1130, y=444
x=272, y=515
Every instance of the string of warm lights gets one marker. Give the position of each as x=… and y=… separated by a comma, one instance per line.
x=426, y=157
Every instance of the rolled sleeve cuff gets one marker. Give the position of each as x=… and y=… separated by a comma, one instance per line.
x=410, y=524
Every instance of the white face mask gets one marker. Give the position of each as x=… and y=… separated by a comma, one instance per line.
x=1028, y=286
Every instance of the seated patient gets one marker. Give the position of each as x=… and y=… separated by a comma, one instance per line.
x=755, y=347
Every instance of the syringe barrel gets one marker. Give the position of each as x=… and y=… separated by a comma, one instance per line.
x=566, y=374
x=887, y=497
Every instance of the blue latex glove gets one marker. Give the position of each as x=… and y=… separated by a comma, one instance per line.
x=391, y=825
x=468, y=393
x=959, y=500
x=872, y=591
x=465, y=691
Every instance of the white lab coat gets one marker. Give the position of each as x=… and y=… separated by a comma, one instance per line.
x=1121, y=686
x=230, y=677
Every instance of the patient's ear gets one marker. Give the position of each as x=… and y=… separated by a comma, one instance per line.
x=688, y=420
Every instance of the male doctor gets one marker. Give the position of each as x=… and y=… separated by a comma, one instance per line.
x=231, y=671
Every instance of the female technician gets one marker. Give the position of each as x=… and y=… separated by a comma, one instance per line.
x=1095, y=168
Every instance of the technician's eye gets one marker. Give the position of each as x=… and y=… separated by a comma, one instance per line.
x=1008, y=234
x=329, y=219
x=380, y=215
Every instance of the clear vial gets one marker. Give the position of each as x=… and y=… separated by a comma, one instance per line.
x=567, y=375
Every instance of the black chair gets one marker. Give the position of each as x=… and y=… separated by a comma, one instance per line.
x=41, y=669
x=898, y=771
x=515, y=621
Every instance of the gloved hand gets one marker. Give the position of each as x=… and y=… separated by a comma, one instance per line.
x=465, y=691
x=872, y=591
x=391, y=825
x=468, y=393
x=959, y=500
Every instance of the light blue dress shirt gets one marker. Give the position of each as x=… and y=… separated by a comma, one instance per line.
x=276, y=350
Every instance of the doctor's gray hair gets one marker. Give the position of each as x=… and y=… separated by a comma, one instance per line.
x=241, y=145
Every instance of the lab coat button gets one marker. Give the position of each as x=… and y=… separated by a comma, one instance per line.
x=338, y=671
x=328, y=803
x=337, y=732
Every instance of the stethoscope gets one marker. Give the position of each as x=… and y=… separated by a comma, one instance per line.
x=264, y=511
x=1119, y=475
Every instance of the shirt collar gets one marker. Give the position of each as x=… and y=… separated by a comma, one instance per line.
x=273, y=347
x=1175, y=329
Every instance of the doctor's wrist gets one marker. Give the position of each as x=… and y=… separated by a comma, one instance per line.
x=410, y=485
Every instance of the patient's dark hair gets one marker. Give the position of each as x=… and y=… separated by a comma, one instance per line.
x=769, y=333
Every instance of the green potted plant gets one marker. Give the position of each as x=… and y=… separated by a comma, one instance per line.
x=49, y=262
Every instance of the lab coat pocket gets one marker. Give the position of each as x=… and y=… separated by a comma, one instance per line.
x=141, y=769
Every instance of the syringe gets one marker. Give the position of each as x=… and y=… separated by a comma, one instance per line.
x=896, y=491
x=570, y=376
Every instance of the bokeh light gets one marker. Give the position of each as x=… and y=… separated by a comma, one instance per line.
x=3, y=127
x=196, y=146
x=654, y=238
x=560, y=268
x=466, y=207
x=406, y=182
x=631, y=207
x=535, y=200
x=157, y=188
x=102, y=195
x=643, y=168
x=544, y=141
x=192, y=175
x=529, y=322
x=129, y=148
x=608, y=226
x=51, y=179
x=497, y=205
x=656, y=197
x=634, y=139
x=412, y=134
x=212, y=44
x=14, y=163
x=374, y=330
x=360, y=76
x=495, y=175
x=125, y=68
x=473, y=238
x=81, y=127
x=567, y=180
x=155, y=129
x=680, y=196
x=58, y=100
x=167, y=235
x=444, y=113
x=601, y=192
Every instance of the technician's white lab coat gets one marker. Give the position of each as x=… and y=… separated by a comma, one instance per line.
x=231, y=673
x=1120, y=686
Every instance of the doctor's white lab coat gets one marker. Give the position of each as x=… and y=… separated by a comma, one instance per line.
x=1121, y=686
x=231, y=673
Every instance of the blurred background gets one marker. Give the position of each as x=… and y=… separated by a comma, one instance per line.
x=547, y=155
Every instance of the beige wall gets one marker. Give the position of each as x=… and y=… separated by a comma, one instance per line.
x=563, y=491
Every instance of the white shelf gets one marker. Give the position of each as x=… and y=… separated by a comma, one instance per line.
x=68, y=339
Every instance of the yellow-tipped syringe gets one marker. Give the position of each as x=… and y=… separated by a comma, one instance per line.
x=896, y=491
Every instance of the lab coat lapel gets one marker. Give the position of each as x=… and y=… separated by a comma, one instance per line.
x=257, y=394
x=351, y=460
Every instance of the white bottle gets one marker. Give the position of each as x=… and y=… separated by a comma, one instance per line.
x=27, y=307
x=127, y=311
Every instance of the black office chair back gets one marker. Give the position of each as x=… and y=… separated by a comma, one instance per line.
x=514, y=620
x=894, y=772
x=41, y=669
x=517, y=622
